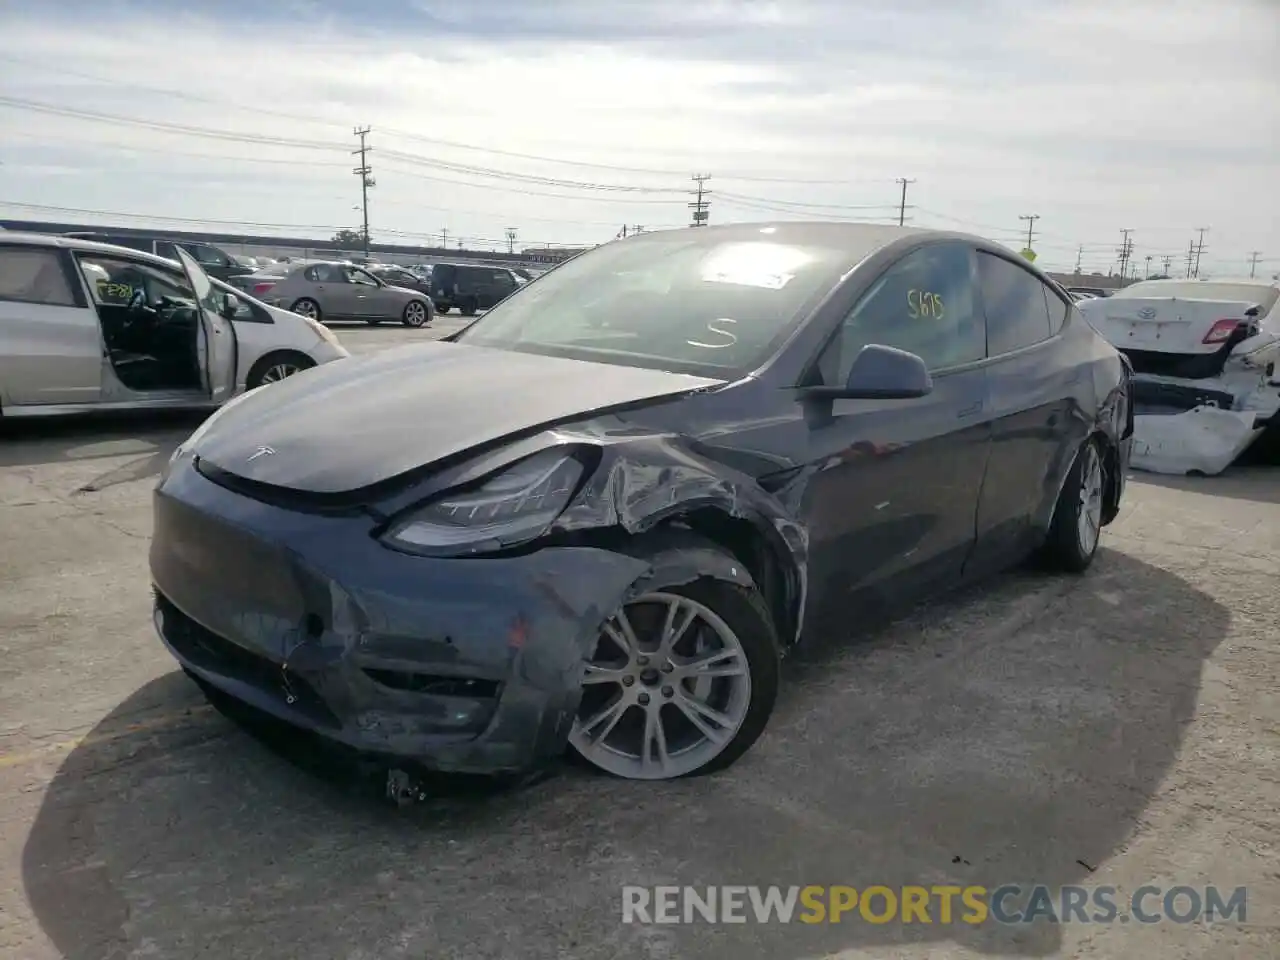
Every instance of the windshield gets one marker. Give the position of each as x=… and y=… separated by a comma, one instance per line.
x=709, y=306
x=1262, y=294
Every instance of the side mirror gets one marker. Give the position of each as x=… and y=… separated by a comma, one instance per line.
x=880, y=373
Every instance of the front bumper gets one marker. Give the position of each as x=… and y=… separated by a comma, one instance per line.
x=470, y=665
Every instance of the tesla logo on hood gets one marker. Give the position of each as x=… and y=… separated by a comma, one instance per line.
x=260, y=452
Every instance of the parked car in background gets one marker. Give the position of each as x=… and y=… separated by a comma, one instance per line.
x=1090, y=291
x=402, y=277
x=331, y=290
x=1204, y=353
x=170, y=335
x=601, y=514
x=214, y=261
x=471, y=287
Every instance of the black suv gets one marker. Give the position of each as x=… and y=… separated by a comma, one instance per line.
x=215, y=262
x=471, y=287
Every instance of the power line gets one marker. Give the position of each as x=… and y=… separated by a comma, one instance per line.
x=902, y=206
x=365, y=173
x=405, y=134
x=701, y=206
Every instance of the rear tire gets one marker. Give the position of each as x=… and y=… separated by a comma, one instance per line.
x=469, y=308
x=1076, y=528
x=306, y=307
x=704, y=717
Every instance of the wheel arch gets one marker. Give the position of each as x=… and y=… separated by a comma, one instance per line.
x=272, y=357
x=772, y=567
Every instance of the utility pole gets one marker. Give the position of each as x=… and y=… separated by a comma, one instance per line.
x=1126, y=251
x=1199, y=250
x=1168, y=260
x=365, y=173
x=511, y=239
x=902, y=205
x=1031, y=219
x=1148, y=273
x=701, y=206
x=1254, y=257
x=444, y=237
x=1191, y=257
x=1079, y=258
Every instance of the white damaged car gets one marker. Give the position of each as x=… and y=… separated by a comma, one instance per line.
x=88, y=326
x=1204, y=353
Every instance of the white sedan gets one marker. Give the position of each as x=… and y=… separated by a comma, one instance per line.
x=89, y=326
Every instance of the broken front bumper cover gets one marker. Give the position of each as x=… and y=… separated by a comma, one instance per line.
x=469, y=666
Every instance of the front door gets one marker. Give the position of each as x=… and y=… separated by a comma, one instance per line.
x=50, y=347
x=896, y=482
x=216, y=350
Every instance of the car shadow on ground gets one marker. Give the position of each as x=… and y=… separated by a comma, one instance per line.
x=147, y=438
x=1014, y=734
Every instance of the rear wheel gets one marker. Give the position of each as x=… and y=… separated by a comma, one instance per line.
x=1077, y=516
x=681, y=682
x=415, y=314
x=277, y=366
x=469, y=308
x=306, y=307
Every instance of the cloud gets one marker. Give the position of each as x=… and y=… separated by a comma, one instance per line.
x=1156, y=116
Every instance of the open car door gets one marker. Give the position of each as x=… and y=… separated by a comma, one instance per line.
x=216, y=339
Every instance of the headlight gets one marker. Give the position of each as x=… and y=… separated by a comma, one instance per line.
x=511, y=507
x=323, y=332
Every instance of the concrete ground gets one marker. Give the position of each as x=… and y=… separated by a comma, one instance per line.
x=1121, y=728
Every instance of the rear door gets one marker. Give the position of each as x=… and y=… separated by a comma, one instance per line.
x=50, y=345
x=216, y=348
x=373, y=299
x=1033, y=382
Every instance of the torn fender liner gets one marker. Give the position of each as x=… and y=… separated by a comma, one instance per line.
x=1203, y=440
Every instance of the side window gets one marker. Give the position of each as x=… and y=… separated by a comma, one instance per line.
x=311, y=273
x=1014, y=299
x=924, y=304
x=356, y=275
x=503, y=280
x=166, y=249
x=124, y=283
x=207, y=256
x=34, y=276
x=1058, y=309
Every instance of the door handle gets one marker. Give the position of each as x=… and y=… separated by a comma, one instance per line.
x=970, y=410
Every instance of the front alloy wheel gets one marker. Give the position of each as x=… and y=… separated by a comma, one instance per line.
x=415, y=314
x=672, y=689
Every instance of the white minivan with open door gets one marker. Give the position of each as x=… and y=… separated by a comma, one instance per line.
x=85, y=325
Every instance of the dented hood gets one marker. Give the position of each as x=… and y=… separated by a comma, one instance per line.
x=364, y=420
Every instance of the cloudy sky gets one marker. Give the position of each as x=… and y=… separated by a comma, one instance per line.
x=568, y=118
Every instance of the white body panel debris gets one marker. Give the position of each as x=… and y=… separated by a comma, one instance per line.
x=1204, y=440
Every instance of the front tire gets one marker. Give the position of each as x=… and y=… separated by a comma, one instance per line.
x=681, y=683
x=1077, y=517
x=277, y=366
x=416, y=314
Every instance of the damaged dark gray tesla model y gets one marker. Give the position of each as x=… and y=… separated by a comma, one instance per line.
x=601, y=514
